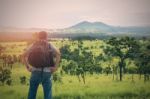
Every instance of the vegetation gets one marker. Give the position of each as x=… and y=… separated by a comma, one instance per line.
x=90, y=69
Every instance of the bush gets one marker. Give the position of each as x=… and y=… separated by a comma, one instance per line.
x=9, y=82
x=5, y=76
x=57, y=77
x=23, y=80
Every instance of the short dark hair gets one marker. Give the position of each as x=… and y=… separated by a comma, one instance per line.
x=42, y=35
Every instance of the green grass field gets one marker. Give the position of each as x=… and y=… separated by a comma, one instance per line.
x=97, y=86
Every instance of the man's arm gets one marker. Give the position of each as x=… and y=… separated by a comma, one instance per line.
x=57, y=57
x=25, y=60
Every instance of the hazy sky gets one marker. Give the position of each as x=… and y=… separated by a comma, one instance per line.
x=64, y=13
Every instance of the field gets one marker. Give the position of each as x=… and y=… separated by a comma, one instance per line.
x=97, y=86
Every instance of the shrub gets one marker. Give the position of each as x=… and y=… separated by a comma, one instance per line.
x=57, y=77
x=5, y=75
x=9, y=82
x=23, y=80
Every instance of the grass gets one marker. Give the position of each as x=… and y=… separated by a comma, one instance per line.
x=96, y=87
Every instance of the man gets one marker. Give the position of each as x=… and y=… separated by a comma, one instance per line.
x=41, y=75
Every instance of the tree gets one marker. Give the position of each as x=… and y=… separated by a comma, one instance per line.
x=65, y=51
x=111, y=61
x=107, y=70
x=80, y=60
x=97, y=63
x=132, y=70
x=143, y=59
x=121, y=48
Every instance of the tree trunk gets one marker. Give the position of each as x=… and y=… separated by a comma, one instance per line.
x=140, y=76
x=148, y=77
x=79, y=78
x=83, y=77
x=107, y=73
x=120, y=66
x=121, y=63
x=145, y=77
x=120, y=73
x=117, y=74
x=132, y=77
x=113, y=75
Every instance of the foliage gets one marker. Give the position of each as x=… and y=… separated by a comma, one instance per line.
x=9, y=82
x=132, y=69
x=80, y=60
x=5, y=75
x=107, y=70
x=143, y=59
x=97, y=86
x=23, y=80
x=122, y=48
x=57, y=78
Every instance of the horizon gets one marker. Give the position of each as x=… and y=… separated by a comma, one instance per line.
x=14, y=27
x=55, y=14
x=55, y=28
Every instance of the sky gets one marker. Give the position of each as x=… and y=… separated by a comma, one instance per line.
x=65, y=13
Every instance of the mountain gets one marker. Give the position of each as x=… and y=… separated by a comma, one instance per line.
x=82, y=29
x=99, y=27
x=89, y=27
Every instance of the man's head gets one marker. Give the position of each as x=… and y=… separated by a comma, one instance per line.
x=42, y=35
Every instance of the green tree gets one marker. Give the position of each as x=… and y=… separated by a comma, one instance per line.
x=143, y=59
x=107, y=70
x=132, y=70
x=121, y=48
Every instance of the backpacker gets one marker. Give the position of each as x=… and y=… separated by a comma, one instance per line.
x=41, y=55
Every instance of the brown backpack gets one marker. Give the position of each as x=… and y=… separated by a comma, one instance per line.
x=41, y=55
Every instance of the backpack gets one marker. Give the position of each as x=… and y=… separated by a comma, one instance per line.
x=40, y=55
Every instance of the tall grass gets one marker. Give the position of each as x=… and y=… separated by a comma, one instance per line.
x=96, y=87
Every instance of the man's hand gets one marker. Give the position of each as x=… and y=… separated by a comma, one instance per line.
x=53, y=69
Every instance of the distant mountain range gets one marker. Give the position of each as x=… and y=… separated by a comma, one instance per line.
x=85, y=28
x=99, y=27
x=90, y=27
